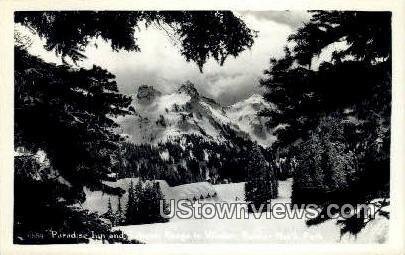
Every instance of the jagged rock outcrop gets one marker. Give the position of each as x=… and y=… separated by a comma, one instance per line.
x=146, y=94
x=189, y=89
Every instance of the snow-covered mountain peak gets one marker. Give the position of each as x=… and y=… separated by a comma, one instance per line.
x=159, y=118
x=255, y=102
x=246, y=114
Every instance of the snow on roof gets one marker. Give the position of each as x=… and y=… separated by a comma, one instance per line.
x=193, y=190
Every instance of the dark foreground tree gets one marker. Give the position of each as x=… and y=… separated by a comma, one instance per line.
x=261, y=185
x=143, y=206
x=200, y=34
x=351, y=80
x=68, y=112
x=336, y=115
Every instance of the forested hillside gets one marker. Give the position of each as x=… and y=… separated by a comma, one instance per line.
x=191, y=158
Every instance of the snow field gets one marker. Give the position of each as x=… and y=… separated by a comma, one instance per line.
x=252, y=230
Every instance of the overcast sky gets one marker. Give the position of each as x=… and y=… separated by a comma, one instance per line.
x=160, y=64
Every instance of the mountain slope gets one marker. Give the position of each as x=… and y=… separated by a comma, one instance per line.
x=159, y=118
x=245, y=114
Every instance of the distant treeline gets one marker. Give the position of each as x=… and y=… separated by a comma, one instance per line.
x=191, y=158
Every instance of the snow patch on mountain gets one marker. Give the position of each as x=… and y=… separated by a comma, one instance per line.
x=246, y=114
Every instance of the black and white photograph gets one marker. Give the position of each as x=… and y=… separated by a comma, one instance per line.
x=202, y=127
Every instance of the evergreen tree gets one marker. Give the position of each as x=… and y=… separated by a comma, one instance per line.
x=223, y=35
x=338, y=113
x=110, y=213
x=119, y=215
x=262, y=184
x=145, y=204
x=325, y=165
x=350, y=80
x=109, y=207
x=138, y=201
x=52, y=100
x=130, y=212
x=158, y=198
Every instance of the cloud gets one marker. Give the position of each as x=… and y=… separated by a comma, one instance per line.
x=160, y=64
x=293, y=19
